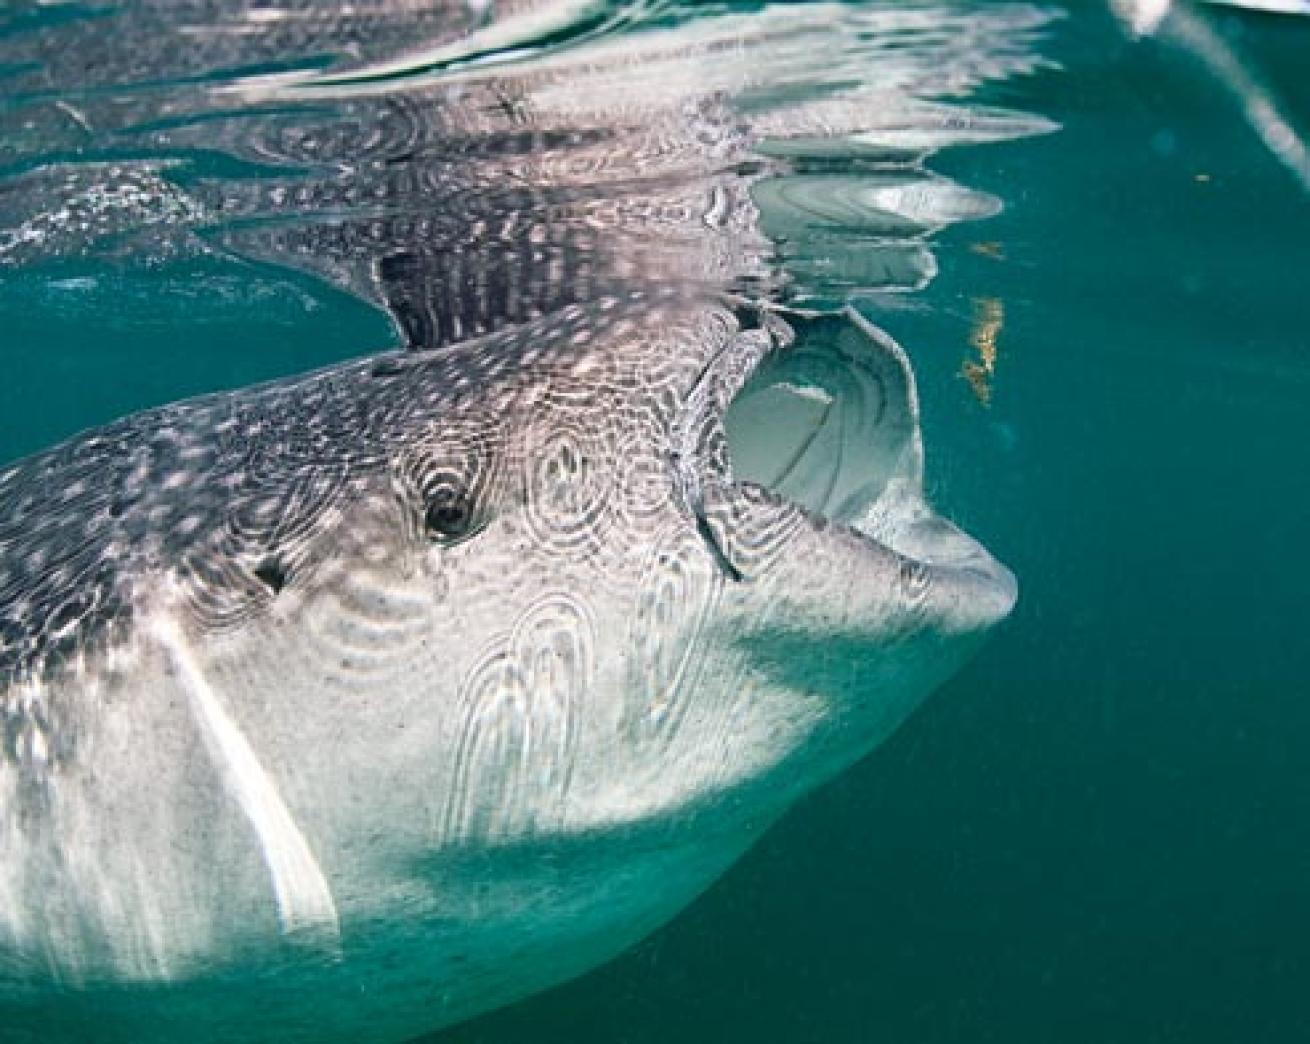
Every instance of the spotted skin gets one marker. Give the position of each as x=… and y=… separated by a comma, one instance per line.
x=229, y=494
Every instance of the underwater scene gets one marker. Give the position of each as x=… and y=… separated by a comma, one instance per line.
x=603, y=522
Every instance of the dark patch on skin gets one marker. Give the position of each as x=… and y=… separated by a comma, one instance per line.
x=387, y=366
x=273, y=574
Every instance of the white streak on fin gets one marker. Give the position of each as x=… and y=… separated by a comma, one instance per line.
x=304, y=901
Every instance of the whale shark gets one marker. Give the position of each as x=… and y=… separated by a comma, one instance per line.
x=370, y=699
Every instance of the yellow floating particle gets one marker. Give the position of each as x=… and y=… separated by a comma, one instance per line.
x=977, y=378
x=988, y=318
x=991, y=248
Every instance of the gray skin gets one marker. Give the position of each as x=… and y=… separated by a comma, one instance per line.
x=349, y=706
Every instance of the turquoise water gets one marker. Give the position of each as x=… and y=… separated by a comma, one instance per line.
x=1098, y=831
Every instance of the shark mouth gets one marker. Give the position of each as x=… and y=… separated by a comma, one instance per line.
x=831, y=425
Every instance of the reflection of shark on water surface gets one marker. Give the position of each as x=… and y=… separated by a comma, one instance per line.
x=353, y=704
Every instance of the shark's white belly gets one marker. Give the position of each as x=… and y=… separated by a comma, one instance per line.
x=300, y=818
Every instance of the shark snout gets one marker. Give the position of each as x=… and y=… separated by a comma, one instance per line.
x=966, y=588
x=971, y=598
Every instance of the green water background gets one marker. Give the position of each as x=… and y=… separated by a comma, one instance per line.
x=1100, y=831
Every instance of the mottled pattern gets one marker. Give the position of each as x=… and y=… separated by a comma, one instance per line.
x=229, y=495
x=520, y=710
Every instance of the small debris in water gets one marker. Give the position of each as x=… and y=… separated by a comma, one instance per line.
x=988, y=318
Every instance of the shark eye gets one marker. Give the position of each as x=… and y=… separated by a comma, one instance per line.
x=447, y=487
x=448, y=516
